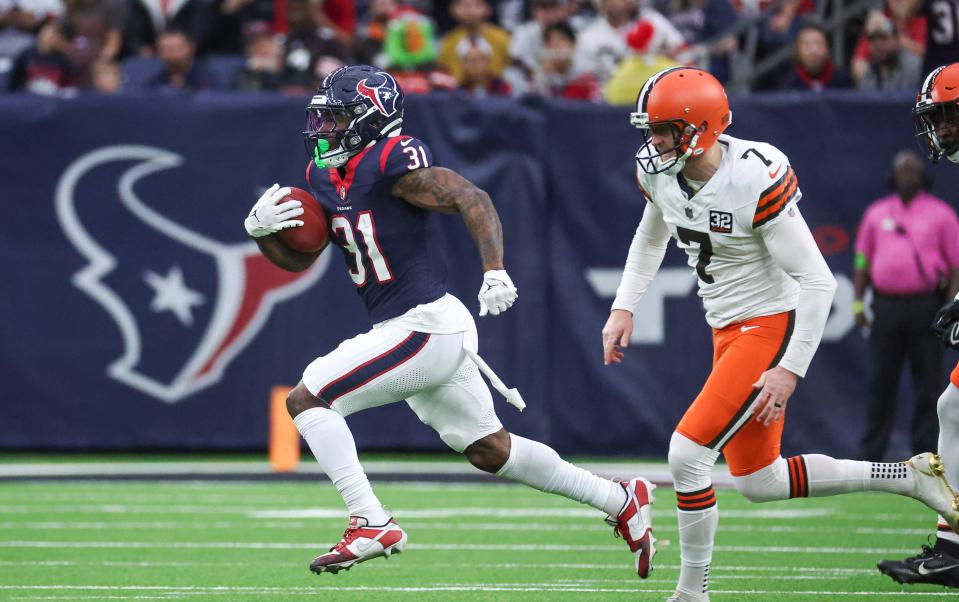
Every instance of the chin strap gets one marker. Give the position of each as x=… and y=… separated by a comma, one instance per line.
x=691, y=151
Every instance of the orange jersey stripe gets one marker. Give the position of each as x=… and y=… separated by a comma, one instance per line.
x=775, y=190
x=785, y=191
x=764, y=215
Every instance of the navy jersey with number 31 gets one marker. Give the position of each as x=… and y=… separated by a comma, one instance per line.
x=391, y=253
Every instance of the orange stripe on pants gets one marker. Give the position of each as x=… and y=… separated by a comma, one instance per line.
x=720, y=417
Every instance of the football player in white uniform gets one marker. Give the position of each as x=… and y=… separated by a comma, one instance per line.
x=936, y=114
x=732, y=206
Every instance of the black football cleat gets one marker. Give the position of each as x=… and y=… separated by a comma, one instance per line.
x=934, y=566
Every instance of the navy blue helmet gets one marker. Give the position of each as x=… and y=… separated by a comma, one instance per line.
x=353, y=106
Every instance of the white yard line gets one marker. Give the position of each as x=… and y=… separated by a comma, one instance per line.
x=311, y=591
x=428, y=546
x=752, y=572
x=577, y=512
x=339, y=512
x=426, y=526
x=657, y=472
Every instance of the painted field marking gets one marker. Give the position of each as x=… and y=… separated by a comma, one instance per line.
x=311, y=591
x=430, y=546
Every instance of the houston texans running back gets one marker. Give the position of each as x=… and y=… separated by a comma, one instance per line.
x=377, y=187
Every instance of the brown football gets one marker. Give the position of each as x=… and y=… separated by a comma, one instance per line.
x=312, y=235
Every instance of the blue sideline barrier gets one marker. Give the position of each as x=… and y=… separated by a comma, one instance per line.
x=115, y=197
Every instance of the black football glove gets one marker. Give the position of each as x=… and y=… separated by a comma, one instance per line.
x=946, y=324
x=950, y=338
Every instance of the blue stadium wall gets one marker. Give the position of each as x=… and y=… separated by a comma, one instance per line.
x=114, y=199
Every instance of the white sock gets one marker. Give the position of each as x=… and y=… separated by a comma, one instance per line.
x=691, y=464
x=949, y=448
x=827, y=476
x=538, y=466
x=332, y=444
x=697, y=530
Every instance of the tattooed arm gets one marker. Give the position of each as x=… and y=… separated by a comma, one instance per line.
x=444, y=190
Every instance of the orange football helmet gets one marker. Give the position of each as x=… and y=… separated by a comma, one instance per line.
x=936, y=113
x=691, y=100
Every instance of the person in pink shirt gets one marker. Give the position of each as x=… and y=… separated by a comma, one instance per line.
x=907, y=251
x=936, y=119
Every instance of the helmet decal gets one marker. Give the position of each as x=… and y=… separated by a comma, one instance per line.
x=383, y=95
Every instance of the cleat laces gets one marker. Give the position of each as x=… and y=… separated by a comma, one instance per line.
x=349, y=535
x=927, y=552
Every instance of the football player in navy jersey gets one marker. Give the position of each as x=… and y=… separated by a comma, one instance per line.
x=377, y=188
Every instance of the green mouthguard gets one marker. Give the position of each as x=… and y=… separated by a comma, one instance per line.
x=322, y=145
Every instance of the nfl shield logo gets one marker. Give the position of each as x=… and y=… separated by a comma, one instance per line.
x=343, y=192
x=689, y=212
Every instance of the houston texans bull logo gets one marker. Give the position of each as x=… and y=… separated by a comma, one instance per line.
x=185, y=304
x=382, y=94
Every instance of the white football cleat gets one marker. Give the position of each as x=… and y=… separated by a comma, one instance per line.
x=361, y=543
x=681, y=596
x=932, y=489
x=634, y=523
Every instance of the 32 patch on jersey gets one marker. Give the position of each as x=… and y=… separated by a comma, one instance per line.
x=720, y=221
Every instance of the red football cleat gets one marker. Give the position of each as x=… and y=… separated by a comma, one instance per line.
x=361, y=543
x=634, y=524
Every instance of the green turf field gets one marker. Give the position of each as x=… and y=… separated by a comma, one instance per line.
x=253, y=541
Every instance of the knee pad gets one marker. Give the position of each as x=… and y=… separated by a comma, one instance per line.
x=690, y=463
x=766, y=484
x=948, y=407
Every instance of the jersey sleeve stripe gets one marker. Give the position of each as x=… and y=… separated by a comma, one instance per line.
x=770, y=211
x=785, y=194
x=772, y=194
x=387, y=149
x=777, y=183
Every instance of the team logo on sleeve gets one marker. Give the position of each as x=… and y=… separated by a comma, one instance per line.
x=380, y=89
x=720, y=221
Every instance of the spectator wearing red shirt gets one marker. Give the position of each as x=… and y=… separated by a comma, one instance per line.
x=912, y=28
x=555, y=74
x=44, y=69
x=339, y=15
x=813, y=68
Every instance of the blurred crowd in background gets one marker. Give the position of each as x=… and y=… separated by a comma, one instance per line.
x=587, y=50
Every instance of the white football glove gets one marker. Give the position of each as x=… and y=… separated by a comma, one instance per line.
x=497, y=293
x=268, y=217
